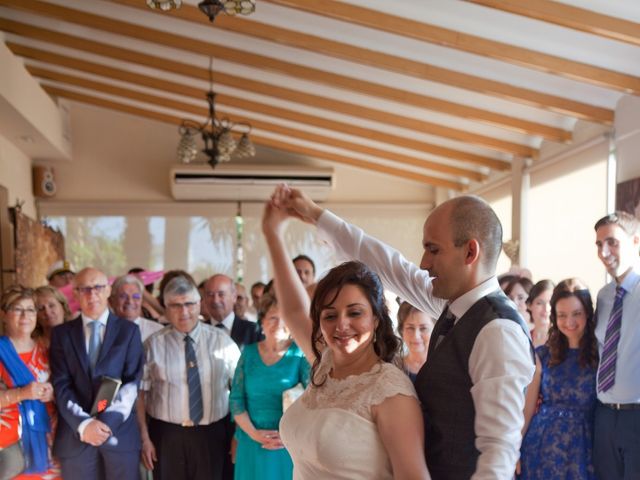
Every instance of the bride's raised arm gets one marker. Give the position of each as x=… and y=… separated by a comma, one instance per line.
x=293, y=299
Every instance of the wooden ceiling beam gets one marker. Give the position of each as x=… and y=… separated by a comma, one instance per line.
x=265, y=141
x=504, y=52
x=369, y=57
x=419, y=126
x=259, y=124
x=572, y=17
x=474, y=83
x=196, y=72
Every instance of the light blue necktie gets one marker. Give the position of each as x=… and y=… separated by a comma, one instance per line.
x=94, y=343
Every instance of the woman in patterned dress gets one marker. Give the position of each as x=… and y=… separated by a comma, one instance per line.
x=558, y=438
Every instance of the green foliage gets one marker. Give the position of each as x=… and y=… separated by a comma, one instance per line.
x=87, y=246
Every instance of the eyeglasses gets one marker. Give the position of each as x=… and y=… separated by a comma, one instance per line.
x=89, y=290
x=177, y=307
x=23, y=311
x=134, y=296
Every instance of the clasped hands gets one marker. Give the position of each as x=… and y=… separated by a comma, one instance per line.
x=96, y=433
x=269, y=439
x=288, y=202
x=38, y=391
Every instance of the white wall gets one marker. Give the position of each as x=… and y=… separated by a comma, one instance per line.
x=567, y=195
x=121, y=157
x=565, y=201
x=15, y=174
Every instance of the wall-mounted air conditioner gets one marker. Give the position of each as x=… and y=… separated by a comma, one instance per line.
x=246, y=182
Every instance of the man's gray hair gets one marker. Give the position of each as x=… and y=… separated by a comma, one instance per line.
x=180, y=286
x=128, y=279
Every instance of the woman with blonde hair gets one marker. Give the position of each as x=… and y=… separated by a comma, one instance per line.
x=53, y=310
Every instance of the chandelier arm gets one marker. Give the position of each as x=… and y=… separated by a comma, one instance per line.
x=216, y=133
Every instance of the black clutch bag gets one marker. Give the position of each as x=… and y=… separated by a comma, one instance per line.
x=106, y=394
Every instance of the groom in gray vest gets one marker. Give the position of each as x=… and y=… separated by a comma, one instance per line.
x=480, y=358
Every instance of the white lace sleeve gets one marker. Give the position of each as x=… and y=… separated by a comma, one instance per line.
x=391, y=382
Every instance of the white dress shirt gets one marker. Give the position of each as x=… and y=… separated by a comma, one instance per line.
x=102, y=319
x=227, y=323
x=626, y=388
x=147, y=327
x=500, y=363
x=165, y=374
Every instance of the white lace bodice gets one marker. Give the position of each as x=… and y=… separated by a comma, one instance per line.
x=329, y=431
x=356, y=393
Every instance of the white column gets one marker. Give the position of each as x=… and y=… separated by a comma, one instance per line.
x=176, y=243
x=137, y=242
x=520, y=183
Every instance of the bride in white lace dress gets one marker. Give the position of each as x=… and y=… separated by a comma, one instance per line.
x=359, y=418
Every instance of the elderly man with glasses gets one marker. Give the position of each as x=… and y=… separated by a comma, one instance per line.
x=126, y=302
x=185, y=390
x=97, y=345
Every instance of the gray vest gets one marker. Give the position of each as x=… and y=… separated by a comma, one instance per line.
x=444, y=389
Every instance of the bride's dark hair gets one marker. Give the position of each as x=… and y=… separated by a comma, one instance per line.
x=385, y=343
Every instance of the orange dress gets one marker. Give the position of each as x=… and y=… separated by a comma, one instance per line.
x=37, y=361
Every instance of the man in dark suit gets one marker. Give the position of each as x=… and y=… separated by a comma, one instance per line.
x=220, y=296
x=96, y=344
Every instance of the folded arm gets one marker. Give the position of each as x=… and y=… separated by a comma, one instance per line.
x=122, y=406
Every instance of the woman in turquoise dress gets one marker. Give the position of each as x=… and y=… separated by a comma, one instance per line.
x=559, y=437
x=265, y=370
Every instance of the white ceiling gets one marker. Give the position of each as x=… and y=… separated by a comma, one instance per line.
x=402, y=119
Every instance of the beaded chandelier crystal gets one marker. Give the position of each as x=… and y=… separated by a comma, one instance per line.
x=219, y=142
x=210, y=8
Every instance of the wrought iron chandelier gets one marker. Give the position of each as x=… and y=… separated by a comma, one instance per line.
x=218, y=135
x=210, y=8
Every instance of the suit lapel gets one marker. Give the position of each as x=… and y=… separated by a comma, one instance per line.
x=110, y=334
x=79, y=343
x=236, y=334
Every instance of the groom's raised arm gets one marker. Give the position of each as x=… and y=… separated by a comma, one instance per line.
x=352, y=243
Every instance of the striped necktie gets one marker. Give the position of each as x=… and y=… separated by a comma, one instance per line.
x=607, y=369
x=193, y=382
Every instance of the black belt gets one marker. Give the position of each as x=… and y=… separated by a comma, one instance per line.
x=622, y=406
